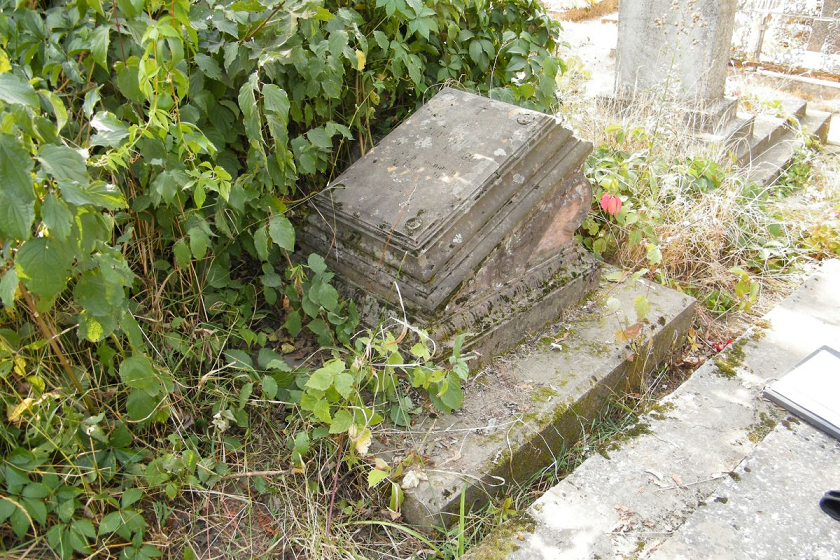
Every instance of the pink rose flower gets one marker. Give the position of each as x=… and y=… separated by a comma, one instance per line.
x=611, y=204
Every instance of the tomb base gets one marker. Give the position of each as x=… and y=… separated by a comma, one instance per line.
x=462, y=221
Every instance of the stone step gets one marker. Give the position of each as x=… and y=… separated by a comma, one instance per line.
x=630, y=501
x=771, y=153
x=527, y=406
x=768, y=507
x=794, y=107
x=817, y=123
x=766, y=131
x=737, y=130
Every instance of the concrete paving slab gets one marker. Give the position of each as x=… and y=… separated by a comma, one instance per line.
x=629, y=503
x=769, y=508
x=521, y=411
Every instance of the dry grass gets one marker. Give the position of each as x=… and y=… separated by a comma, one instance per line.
x=702, y=237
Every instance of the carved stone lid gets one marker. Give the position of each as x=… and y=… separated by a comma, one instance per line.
x=433, y=169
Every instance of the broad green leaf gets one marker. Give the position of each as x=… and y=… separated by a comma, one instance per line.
x=57, y=217
x=269, y=359
x=475, y=51
x=420, y=350
x=261, y=242
x=36, y=509
x=282, y=232
x=138, y=373
x=317, y=264
x=182, y=253
x=93, y=97
x=250, y=112
x=36, y=490
x=240, y=359
x=321, y=379
x=613, y=304
x=100, y=295
x=16, y=216
x=344, y=384
x=110, y=131
x=321, y=411
x=19, y=522
x=199, y=242
x=97, y=6
x=328, y=296
x=130, y=496
x=341, y=422
x=232, y=49
x=7, y=508
x=140, y=406
x=320, y=138
x=99, y=41
x=15, y=169
x=654, y=254
x=276, y=101
x=44, y=266
x=16, y=90
x=98, y=194
x=453, y=397
x=93, y=328
x=59, y=110
x=642, y=307
x=293, y=324
x=375, y=476
x=209, y=66
x=301, y=444
x=269, y=386
x=65, y=164
x=84, y=527
x=8, y=288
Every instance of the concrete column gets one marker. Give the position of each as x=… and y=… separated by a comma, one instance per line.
x=683, y=44
x=824, y=34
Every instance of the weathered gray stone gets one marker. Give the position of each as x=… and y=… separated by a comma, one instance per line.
x=635, y=500
x=768, y=509
x=470, y=207
x=825, y=31
x=520, y=412
x=683, y=44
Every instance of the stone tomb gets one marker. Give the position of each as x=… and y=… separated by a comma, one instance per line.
x=469, y=207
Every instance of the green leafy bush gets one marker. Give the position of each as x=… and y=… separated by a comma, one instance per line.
x=153, y=158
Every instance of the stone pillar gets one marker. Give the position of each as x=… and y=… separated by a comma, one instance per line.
x=682, y=44
x=824, y=34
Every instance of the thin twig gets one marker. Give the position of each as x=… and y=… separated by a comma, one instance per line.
x=255, y=473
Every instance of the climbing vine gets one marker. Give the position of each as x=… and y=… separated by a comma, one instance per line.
x=154, y=158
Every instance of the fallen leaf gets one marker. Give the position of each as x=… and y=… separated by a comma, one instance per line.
x=658, y=475
x=410, y=480
x=633, y=330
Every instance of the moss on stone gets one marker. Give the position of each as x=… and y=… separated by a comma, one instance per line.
x=729, y=362
x=631, y=432
x=758, y=431
x=543, y=394
x=789, y=422
x=502, y=542
x=659, y=410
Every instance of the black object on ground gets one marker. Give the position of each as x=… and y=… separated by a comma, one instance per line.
x=830, y=503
